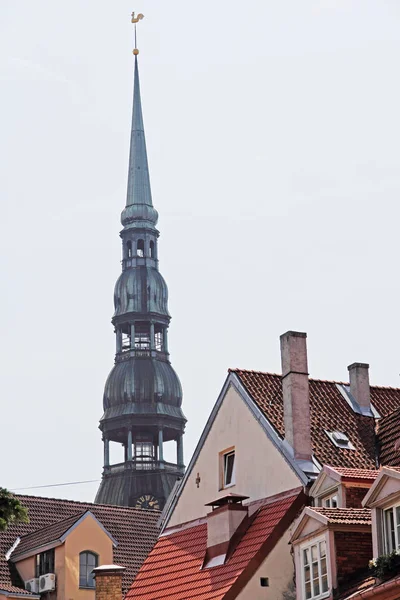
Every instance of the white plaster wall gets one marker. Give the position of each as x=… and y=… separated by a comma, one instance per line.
x=261, y=470
x=278, y=567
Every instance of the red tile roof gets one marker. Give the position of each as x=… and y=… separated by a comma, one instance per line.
x=389, y=439
x=351, y=474
x=173, y=570
x=329, y=412
x=345, y=516
x=135, y=530
x=370, y=587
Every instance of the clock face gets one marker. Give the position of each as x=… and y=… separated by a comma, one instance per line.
x=147, y=501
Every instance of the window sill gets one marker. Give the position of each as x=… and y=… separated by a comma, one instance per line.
x=229, y=485
x=86, y=587
x=322, y=596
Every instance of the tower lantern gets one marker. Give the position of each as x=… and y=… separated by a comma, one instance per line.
x=143, y=395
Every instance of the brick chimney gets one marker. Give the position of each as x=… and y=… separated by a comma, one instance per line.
x=359, y=384
x=296, y=402
x=223, y=522
x=108, y=582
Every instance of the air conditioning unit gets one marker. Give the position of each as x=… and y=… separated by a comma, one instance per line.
x=47, y=583
x=32, y=585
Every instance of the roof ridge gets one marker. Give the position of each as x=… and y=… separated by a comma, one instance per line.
x=333, y=381
x=85, y=503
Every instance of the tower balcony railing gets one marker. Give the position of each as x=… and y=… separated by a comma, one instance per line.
x=149, y=464
x=128, y=353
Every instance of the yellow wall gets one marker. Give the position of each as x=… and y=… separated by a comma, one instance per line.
x=26, y=568
x=261, y=470
x=87, y=536
x=278, y=567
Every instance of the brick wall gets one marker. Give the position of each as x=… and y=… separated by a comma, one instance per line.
x=354, y=496
x=108, y=582
x=353, y=551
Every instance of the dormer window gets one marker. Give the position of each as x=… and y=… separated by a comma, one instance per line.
x=391, y=523
x=331, y=501
x=314, y=570
x=87, y=562
x=340, y=439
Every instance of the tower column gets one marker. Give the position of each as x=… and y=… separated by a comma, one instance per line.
x=160, y=447
x=125, y=445
x=106, y=442
x=129, y=453
x=166, y=340
x=179, y=450
x=119, y=340
x=152, y=338
x=132, y=336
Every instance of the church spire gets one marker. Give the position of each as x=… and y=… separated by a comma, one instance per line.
x=139, y=191
x=139, y=203
x=143, y=395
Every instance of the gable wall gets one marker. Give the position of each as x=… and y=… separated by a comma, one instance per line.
x=88, y=535
x=278, y=567
x=391, y=486
x=261, y=470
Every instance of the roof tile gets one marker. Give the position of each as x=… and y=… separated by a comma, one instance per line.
x=346, y=516
x=329, y=412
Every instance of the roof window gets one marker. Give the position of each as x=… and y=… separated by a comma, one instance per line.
x=340, y=439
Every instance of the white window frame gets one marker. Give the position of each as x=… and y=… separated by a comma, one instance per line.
x=223, y=471
x=395, y=509
x=308, y=546
x=329, y=499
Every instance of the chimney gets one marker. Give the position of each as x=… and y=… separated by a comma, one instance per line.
x=359, y=384
x=296, y=403
x=222, y=523
x=108, y=582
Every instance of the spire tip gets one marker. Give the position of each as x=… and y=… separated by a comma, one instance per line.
x=136, y=20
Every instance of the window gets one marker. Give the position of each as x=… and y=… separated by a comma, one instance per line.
x=143, y=450
x=391, y=523
x=87, y=562
x=44, y=563
x=129, y=249
x=152, y=249
x=158, y=340
x=330, y=501
x=229, y=468
x=140, y=248
x=126, y=341
x=340, y=439
x=314, y=568
x=142, y=336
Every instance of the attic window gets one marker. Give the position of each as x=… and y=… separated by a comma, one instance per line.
x=340, y=439
x=228, y=468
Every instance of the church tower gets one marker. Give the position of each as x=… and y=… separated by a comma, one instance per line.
x=143, y=395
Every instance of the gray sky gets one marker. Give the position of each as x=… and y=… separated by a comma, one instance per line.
x=273, y=138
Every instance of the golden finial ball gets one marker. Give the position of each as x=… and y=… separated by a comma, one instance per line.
x=136, y=52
